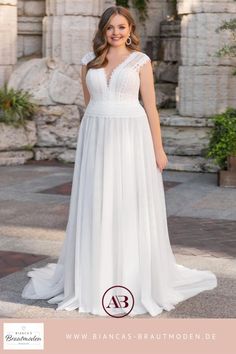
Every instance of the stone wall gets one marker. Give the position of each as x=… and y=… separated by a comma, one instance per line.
x=56, y=88
x=150, y=30
x=54, y=80
x=69, y=27
x=30, y=17
x=167, y=64
x=32, y=12
x=158, y=11
x=206, y=84
x=16, y=144
x=184, y=70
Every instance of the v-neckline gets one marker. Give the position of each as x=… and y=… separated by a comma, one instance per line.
x=108, y=79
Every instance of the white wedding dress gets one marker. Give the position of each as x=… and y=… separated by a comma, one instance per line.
x=117, y=227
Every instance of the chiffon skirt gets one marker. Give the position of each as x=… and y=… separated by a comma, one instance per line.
x=117, y=229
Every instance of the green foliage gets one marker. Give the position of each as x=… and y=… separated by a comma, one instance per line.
x=223, y=137
x=227, y=26
x=140, y=5
x=124, y=3
x=228, y=49
x=28, y=147
x=15, y=106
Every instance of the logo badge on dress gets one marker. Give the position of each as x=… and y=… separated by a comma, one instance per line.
x=118, y=301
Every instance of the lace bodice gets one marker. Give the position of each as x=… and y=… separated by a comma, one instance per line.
x=123, y=83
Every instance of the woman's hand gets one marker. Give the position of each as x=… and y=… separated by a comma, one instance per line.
x=161, y=159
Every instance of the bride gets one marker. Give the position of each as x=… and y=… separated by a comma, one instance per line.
x=117, y=231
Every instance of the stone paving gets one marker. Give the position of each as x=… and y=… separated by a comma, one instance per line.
x=34, y=209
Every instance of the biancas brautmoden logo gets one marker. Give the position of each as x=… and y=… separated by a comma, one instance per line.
x=23, y=336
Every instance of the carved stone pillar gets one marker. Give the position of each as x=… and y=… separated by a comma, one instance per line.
x=206, y=83
x=8, y=38
x=69, y=27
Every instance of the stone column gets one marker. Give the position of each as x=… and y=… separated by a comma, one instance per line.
x=30, y=17
x=69, y=27
x=206, y=84
x=8, y=38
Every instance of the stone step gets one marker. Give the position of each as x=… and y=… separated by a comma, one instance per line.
x=190, y=163
x=13, y=158
x=184, y=135
x=184, y=138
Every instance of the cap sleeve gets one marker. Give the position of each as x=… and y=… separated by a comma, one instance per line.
x=144, y=58
x=87, y=58
x=140, y=60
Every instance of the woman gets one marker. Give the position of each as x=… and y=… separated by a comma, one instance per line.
x=117, y=229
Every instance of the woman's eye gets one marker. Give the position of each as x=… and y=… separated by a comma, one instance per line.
x=119, y=28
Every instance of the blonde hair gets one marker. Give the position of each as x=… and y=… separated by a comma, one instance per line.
x=100, y=44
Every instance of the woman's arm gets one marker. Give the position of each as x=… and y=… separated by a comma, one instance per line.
x=147, y=91
x=84, y=86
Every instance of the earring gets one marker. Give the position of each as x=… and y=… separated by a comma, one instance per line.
x=128, y=41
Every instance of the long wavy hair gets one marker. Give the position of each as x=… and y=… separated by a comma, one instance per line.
x=100, y=44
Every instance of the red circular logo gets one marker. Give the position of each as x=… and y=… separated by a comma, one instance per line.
x=118, y=301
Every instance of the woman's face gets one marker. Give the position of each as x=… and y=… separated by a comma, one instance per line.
x=117, y=31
